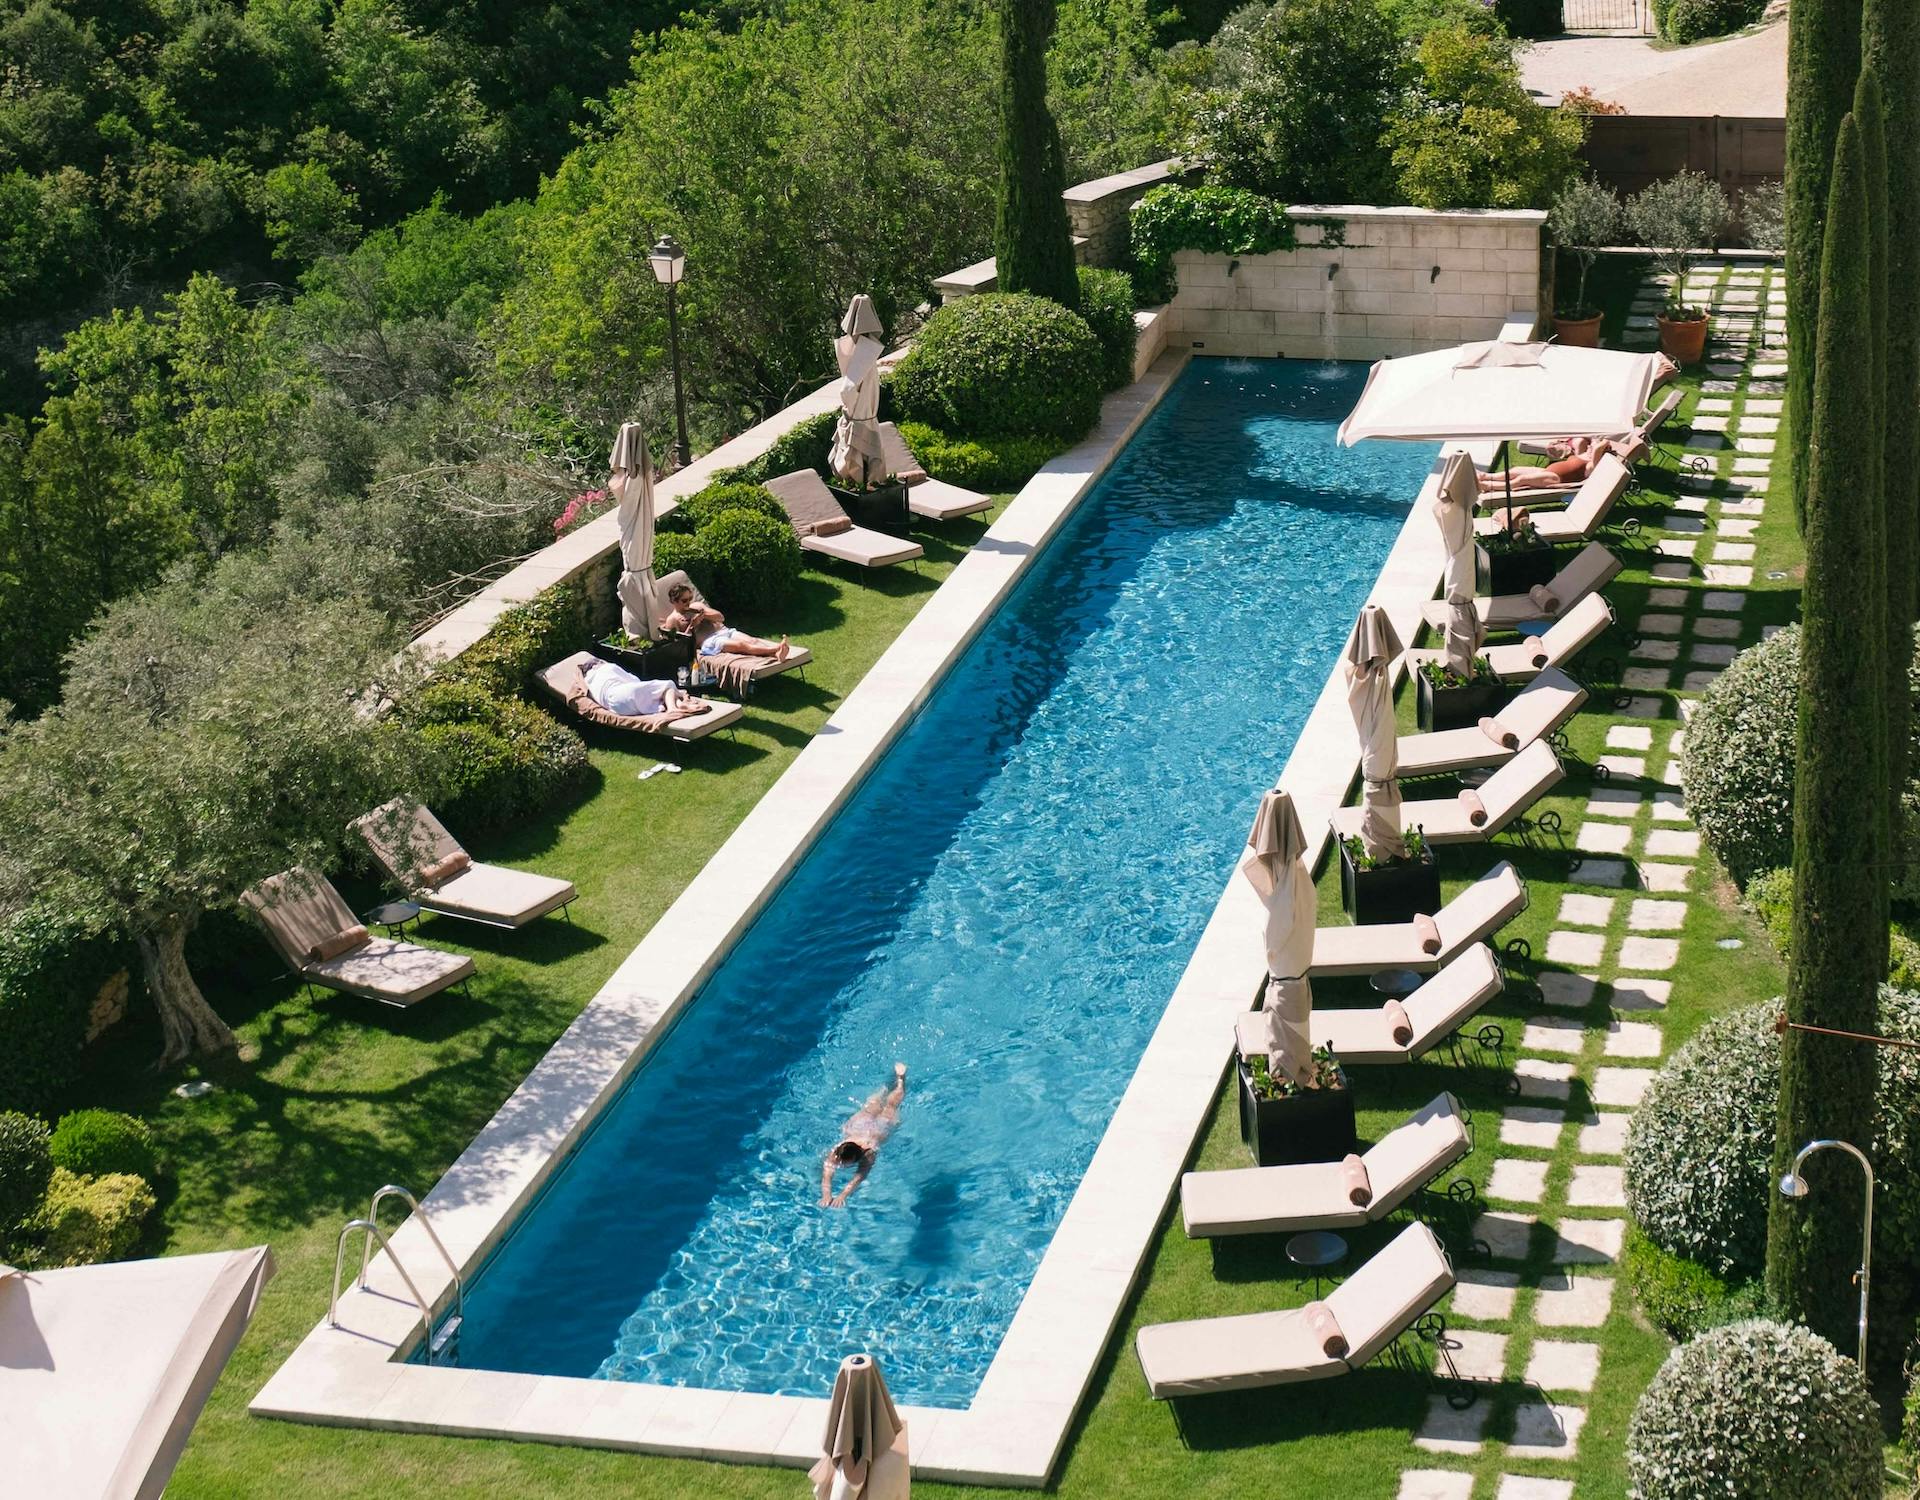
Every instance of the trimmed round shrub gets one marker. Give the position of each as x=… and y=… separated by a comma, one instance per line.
x=99, y=1142
x=994, y=465
x=1739, y=757
x=1681, y=1297
x=86, y=1220
x=1003, y=362
x=1699, y=1154
x=1686, y=21
x=696, y=511
x=754, y=559
x=498, y=759
x=1757, y=1410
x=26, y=1164
x=675, y=551
x=1106, y=302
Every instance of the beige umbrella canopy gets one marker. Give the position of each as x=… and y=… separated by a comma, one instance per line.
x=1458, y=493
x=858, y=457
x=1369, y=665
x=1278, y=871
x=863, y=1455
x=104, y=1369
x=631, y=480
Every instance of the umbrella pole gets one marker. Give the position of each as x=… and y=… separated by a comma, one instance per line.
x=1507, y=468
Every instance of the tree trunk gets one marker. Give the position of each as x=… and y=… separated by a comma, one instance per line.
x=188, y=1025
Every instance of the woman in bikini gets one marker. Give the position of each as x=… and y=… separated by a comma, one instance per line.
x=710, y=631
x=1582, y=459
x=861, y=1138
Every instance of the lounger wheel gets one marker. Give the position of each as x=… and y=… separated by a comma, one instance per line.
x=1631, y=526
x=1462, y=1193
x=1606, y=669
x=1600, y=772
x=1699, y=465
x=1548, y=822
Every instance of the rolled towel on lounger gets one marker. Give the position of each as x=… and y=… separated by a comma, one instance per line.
x=1539, y=655
x=1544, y=599
x=1399, y=1023
x=1353, y=1171
x=1325, y=1329
x=443, y=870
x=1502, y=736
x=1476, y=809
x=1428, y=931
x=343, y=941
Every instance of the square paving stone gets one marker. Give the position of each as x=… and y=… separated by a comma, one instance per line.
x=1614, y=872
x=1723, y=601
x=1448, y=1431
x=1641, y=708
x=1434, y=1484
x=1641, y=994
x=1659, y=624
x=1763, y=406
x=1614, y=802
x=1670, y=806
x=1533, y=1126
x=1506, y=1235
x=1714, y=404
x=1754, y=507
x=1736, y=528
x=1770, y=371
x=1544, y=1080
x=1477, y=1355
x=1483, y=1295
x=1604, y=1134
x=1629, y=737
x=1645, y=677
x=1654, y=955
x=1530, y=1487
x=1699, y=681
x=1588, y=1242
x=1717, y=629
x=1753, y=445
x=1753, y=422
x=1667, y=598
x=1647, y=915
x=1553, y=1034
x=1707, y=423
x=1752, y=464
x=1575, y=948
x=1676, y=546
x=1728, y=573
x=1671, y=568
x=1659, y=877
x=1568, y=1301
x=1621, y=1087
x=1633, y=1039
x=1603, y=838
x=1673, y=843
x=1595, y=1187
x=1624, y=767
x=1569, y=991
x=1586, y=911
x=1563, y=1365
x=1733, y=551
x=1546, y=1429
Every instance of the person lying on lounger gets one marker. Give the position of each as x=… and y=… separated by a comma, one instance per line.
x=618, y=689
x=710, y=631
x=1583, y=457
x=861, y=1138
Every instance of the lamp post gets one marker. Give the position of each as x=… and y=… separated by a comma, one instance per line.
x=1794, y=1186
x=669, y=264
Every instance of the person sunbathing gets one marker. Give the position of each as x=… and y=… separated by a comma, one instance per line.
x=861, y=1139
x=710, y=631
x=616, y=688
x=1582, y=459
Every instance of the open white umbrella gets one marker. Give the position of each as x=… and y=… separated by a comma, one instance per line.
x=863, y=1455
x=1278, y=871
x=858, y=456
x=1369, y=666
x=104, y=1369
x=1454, y=500
x=631, y=480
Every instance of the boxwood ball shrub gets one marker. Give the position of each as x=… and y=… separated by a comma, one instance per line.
x=1106, y=302
x=1693, y=20
x=1682, y=1297
x=694, y=512
x=499, y=759
x=98, y=1142
x=86, y=1220
x=675, y=551
x=754, y=559
x=26, y=1165
x=993, y=465
x=1759, y=1411
x=1003, y=362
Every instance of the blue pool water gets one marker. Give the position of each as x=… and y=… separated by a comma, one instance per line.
x=1013, y=891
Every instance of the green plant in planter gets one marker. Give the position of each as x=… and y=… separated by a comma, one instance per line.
x=1522, y=538
x=1676, y=218
x=1440, y=675
x=622, y=639
x=1327, y=1074
x=1586, y=216
x=1416, y=841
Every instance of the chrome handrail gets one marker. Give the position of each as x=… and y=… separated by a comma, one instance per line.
x=339, y=1264
x=392, y=1190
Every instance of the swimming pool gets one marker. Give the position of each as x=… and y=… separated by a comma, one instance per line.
x=1014, y=889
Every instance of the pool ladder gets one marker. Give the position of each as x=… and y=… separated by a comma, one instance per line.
x=438, y=1340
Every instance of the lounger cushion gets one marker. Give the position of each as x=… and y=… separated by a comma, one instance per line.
x=494, y=893
x=1266, y=1200
x=1406, y=1159
x=901, y=462
x=1387, y=1295
x=810, y=505
x=1367, y=1035
x=862, y=546
x=299, y=911
x=410, y=843
x=1207, y=1355
x=936, y=500
x=395, y=972
x=1476, y=913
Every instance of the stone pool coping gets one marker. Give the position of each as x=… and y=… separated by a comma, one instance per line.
x=1015, y=1428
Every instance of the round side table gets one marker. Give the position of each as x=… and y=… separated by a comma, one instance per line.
x=394, y=916
x=1396, y=984
x=1317, y=1251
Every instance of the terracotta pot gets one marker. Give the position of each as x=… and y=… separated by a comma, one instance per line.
x=1581, y=333
x=1683, y=342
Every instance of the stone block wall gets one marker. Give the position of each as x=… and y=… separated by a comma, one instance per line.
x=1386, y=281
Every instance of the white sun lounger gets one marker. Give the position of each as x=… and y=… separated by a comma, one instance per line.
x=1537, y=712
x=824, y=527
x=1564, y=640
x=1585, y=512
x=1320, y=1195
x=1372, y=1309
x=1592, y=570
x=1473, y=916
x=930, y=498
x=322, y=942
x=427, y=862
x=1434, y=1012
x=797, y=656
x=1475, y=815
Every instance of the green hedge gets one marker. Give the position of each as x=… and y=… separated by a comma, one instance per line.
x=994, y=465
x=1682, y=1297
x=693, y=513
x=1106, y=302
x=51, y=969
x=26, y=1166
x=86, y=1220
x=498, y=759
x=522, y=641
x=1685, y=21
x=754, y=559
x=1224, y=220
x=805, y=445
x=100, y=1142
x=1003, y=362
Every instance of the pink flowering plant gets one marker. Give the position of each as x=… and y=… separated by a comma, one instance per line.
x=579, y=507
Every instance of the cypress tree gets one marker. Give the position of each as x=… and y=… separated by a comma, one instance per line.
x=1823, y=58
x=1839, y=934
x=1032, y=245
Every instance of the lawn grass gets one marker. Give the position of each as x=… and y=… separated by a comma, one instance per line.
x=344, y=1098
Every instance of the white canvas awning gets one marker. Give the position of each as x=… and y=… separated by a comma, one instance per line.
x=1496, y=390
x=104, y=1369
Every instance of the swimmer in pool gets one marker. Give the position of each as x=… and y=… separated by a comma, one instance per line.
x=861, y=1138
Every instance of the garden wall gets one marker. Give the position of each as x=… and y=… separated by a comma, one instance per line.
x=1364, y=283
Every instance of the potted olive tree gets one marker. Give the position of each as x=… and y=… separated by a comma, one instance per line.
x=1388, y=890
x=1512, y=560
x=1283, y=1121
x=1676, y=218
x=1583, y=218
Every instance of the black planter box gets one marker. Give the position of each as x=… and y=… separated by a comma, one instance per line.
x=1457, y=707
x=882, y=509
x=1391, y=892
x=1512, y=570
x=1316, y=1125
x=656, y=663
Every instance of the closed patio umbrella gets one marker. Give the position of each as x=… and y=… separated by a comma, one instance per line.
x=858, y=456
x=631, y=480
x=1278, y=871
x=104, y=1369
x=864, y=1452
x=1454, y=500
x=1369, y=666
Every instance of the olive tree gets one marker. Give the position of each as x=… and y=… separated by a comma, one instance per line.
x=1585, y=217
